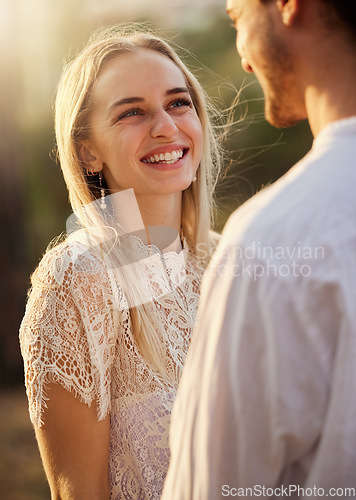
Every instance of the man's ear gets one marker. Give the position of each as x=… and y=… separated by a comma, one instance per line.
x=289, y=10
x=89, y=158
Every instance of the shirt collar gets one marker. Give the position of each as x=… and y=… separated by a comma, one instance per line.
x=339, y=127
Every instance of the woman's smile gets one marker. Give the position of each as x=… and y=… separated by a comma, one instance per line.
x=166, y=159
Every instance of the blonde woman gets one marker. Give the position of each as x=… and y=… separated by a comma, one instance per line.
x=111, y=309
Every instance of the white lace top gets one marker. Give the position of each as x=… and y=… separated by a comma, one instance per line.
x=72, y=335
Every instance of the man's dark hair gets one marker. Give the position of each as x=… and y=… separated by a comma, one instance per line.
x=343, y=12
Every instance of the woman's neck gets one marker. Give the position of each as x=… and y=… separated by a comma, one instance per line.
x=157, y=219
x=162, y=219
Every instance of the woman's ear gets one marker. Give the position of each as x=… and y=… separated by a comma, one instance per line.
x=289, y=10
x=90, y=160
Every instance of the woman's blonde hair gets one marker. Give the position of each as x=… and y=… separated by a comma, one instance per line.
x=72, y=107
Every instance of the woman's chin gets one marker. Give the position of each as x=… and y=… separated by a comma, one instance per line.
x=173, y=186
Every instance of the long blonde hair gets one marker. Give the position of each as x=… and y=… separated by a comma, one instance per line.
x=72, y=107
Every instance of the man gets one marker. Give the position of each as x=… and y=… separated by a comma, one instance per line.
x=267, y=402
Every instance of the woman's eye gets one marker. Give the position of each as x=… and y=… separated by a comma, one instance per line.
x=181, y=102
x=130, y=112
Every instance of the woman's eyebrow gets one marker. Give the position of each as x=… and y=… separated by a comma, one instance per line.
x=178, y=90
x=131, y=100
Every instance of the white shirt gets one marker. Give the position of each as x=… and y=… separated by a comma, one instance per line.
x=267, y=396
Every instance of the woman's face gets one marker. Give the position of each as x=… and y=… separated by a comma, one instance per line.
x=145, y=132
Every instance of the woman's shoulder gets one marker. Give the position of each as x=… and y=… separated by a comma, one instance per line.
x=68, y=258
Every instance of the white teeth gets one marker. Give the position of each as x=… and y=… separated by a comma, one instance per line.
x=171, y=157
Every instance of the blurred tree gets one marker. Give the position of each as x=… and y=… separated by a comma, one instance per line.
x=12, y=208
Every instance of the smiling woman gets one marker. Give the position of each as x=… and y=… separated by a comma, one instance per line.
x=111, y=310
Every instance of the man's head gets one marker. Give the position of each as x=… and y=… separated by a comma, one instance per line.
x=262, y=44
x=282, y=41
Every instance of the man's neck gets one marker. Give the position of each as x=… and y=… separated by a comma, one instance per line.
x=330, y=94
x=327, y=105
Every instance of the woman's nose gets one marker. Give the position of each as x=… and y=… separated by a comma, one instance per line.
x=163, y=125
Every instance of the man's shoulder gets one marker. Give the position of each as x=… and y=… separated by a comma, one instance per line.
x=307, y=202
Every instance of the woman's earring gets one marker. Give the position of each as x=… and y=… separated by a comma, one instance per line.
x=102, y=193
x=194, y=179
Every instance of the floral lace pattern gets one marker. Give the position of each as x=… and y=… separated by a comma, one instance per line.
x=71, y=336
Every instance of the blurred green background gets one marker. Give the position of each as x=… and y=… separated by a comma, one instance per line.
x=35, y=39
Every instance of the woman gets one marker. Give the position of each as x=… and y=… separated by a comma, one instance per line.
x=110, y=314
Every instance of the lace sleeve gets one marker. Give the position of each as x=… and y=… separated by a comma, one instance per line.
x=66, y=335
